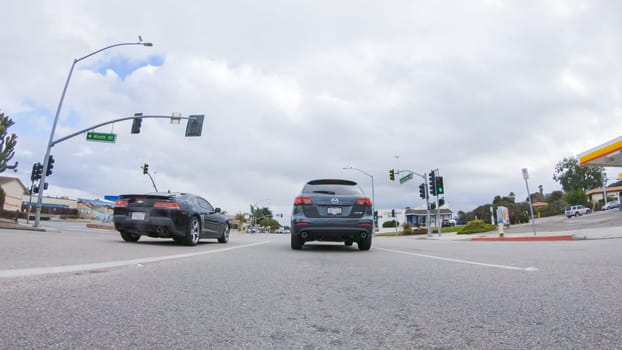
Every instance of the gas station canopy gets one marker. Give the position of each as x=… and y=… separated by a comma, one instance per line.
x=609, y=154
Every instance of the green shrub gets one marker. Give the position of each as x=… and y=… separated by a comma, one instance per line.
x=391, y=223
x=476, y=226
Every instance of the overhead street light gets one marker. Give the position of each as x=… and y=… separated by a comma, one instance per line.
x=60, y=105
x=373, y=197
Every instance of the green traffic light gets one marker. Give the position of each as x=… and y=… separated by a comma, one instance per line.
x=440, y=189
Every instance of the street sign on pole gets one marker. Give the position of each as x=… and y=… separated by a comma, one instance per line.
x=100, y=136
x=406, y=178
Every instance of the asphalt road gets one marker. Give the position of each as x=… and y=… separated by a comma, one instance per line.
x=78, y=288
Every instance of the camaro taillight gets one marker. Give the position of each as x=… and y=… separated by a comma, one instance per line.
x=120, y=203
x=364, y=201
x=303, y=201
x=169, y=205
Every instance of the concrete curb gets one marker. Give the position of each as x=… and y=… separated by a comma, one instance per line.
x=525, y=238
x=100, y=226
x=12, y=226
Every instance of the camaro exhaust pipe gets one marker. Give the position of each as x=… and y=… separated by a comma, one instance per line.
x=304, y=235
x=363, y=234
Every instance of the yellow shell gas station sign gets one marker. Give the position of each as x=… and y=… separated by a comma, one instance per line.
x=609, y=154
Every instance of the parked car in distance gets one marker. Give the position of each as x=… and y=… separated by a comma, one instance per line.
x=577, y=210
x=333, y=210
x=448, y=223
x=611, y=205
x=184, y=217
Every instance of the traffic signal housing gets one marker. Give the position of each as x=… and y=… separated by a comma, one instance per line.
x=440, y=189
x=37, y=171
x=145, y=169
x=432, y=183
x=392, y=174
x=422, y=191
x=48, y=171
x=195, y=125
x=136, y=122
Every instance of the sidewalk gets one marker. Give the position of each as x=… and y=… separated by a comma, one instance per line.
x=515, y=233
x=12, y=225
x=22, y=225
x=525, y=233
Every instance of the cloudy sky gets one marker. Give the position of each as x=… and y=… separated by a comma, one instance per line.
x=296, y=90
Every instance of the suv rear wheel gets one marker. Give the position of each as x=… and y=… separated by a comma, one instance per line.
x=364, y=243
x=297, y=243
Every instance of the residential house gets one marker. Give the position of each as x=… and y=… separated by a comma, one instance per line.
x=14, y=189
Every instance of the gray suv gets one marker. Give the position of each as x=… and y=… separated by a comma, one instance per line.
x=332, y=210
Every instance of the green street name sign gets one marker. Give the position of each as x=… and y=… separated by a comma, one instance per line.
x=100, y=136
x=406, y=178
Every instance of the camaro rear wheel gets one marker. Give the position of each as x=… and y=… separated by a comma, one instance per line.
x=225, y=235
x=129, y=237
x=193, y=232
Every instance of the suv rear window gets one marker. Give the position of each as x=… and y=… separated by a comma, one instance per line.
x=335, y=187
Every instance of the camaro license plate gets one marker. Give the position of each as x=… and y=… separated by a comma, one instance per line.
x=334, y=211
x=138, y=215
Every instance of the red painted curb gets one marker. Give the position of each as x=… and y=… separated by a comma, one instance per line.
x=525, y=238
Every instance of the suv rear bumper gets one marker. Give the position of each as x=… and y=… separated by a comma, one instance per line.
x=332, y=233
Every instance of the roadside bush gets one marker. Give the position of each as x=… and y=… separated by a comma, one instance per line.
x=420, y=231
x=391, y=223
x=476, y=226
x=408, y=228
x=70, y=217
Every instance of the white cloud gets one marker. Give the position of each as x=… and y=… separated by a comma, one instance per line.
x=292, y=91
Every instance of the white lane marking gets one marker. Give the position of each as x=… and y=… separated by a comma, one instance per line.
x=85, y=267
x=507, y=267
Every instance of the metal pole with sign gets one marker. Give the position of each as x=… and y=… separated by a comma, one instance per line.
x=533, y=220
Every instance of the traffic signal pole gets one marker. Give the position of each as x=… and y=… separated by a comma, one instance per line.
x=427, y=198
x=60, y=104
x=196, y=120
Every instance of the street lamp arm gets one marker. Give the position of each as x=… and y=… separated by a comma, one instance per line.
x=109, y=47
x=353, y=168
x=60, y=104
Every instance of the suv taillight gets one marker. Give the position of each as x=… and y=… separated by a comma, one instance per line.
x=364, y=201
x=302, y=201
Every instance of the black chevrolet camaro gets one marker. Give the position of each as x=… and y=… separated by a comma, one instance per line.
x=184, y=217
